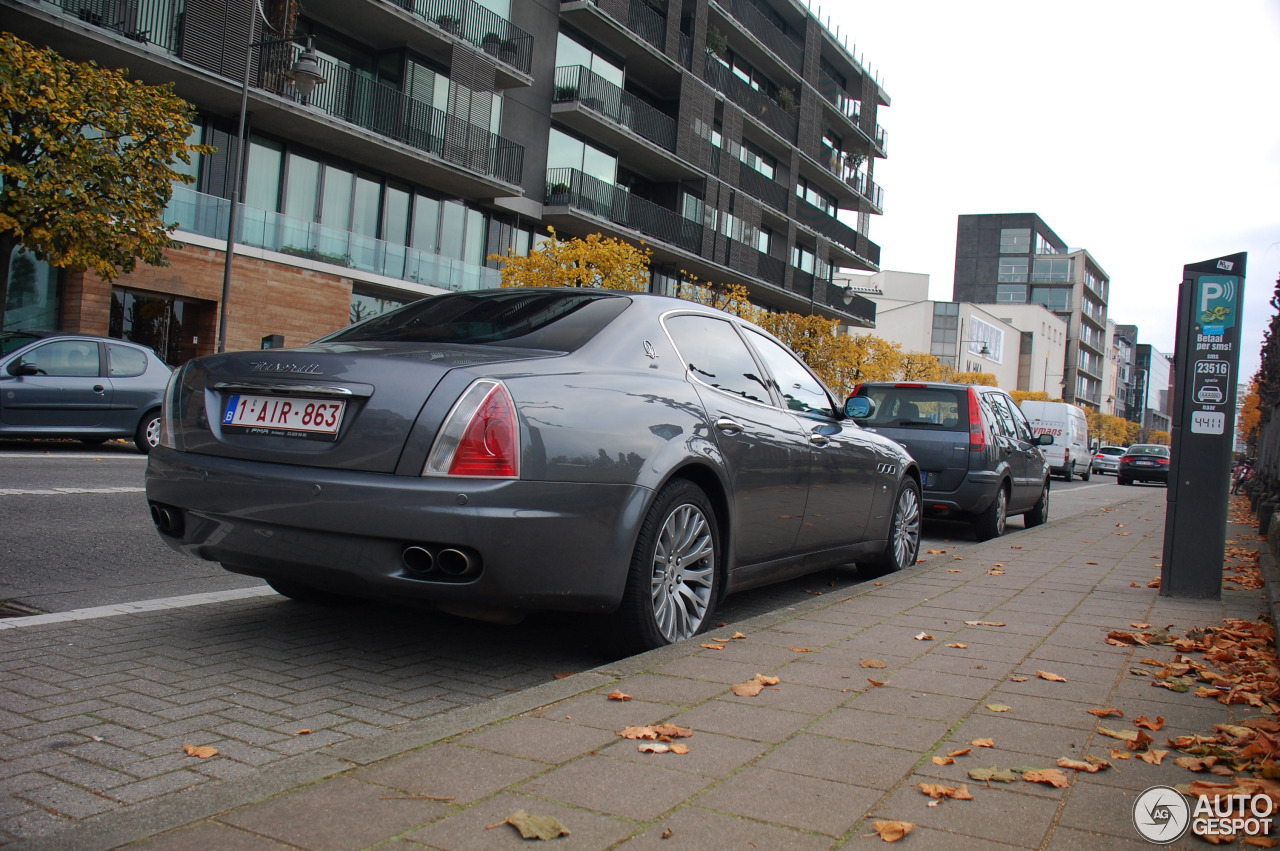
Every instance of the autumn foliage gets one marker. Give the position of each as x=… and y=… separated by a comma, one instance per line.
x=86, y=162
x=841, y=360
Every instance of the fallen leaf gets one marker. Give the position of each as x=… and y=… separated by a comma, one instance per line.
x=874, y=663
x=961, y=752
x=1260, y=841
x=1018, y=679
x=877, y=583
x=1081, y=765
x=302, y=732
x=563, y=675
x=999, y=707
x=1103, y=713
x=985, y=623
x=924, y=636
x=738, y=636
x=800, y=649
x=996, y=774
x=1090, y=562
x=1134, y=585
x=1015, y=546
x=754, y=686
x=665, y=731
x=936, y=552
x=1154, y=726
x=1052, y=776
x=714, y=646
x=954, y=570
x=617, y=695
x=652, y=747
x=536, y=827
x=943, y=760
x=1195, y=763
x=1153, y=756
x=958, y=646
x=1053, y=678
x=983, y=743
x=876, y=682
x=680, y=749
x=202, y=751
x=1123, y=735
x=939, y=790
x=1116, y=753
x=995, y=572
x=892, y=831
x=666, y=834
x=816, y=593
x=1140, y=625
x=1154, y=583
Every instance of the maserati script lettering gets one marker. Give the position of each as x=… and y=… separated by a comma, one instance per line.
x=292, y=368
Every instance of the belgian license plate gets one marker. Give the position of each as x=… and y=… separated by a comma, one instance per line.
x=1145, y=463
x=286, y=416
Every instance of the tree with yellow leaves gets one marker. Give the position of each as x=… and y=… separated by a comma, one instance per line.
x=1250, y=415
x=87, y=162
x=597, y=261
x=984, y=378
x=1111, y=430
x=1159, y=437
x=1021, y=396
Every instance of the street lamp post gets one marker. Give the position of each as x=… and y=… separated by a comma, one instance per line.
x=305, y=76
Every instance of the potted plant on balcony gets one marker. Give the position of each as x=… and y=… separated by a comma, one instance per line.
x=448, y=23
x=507, y=50
x=558, y=195
x=566, y=93
x=785, y=98
x=717, y=42
x=490, y=43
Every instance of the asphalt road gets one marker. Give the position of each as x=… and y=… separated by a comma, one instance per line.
x=77, y=533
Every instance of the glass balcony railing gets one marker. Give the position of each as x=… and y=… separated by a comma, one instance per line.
x=389, y=112
x=483, y=27
x=206, y=215
x=848, y=106
x=575, y=83
x=573, y=188
x=153, y=22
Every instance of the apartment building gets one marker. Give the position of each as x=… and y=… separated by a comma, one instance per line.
x=1015, y=258
x=735, y=139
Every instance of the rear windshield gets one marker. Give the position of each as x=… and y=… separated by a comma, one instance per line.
x=1148, y=450
x=918, y=407
x=1111, y=450
x=555, y=321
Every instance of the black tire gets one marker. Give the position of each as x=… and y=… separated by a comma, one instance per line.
x=991, y=523
x=1121, y=480
x=1088, y=471
x=674, y=578
x=1039, y=512
x=903, y=544
x=308, y=594
x=148, y=434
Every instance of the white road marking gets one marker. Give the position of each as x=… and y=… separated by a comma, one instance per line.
x=59, y=491
x=181, y=602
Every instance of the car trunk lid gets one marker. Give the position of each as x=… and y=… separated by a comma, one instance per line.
x=931, y=423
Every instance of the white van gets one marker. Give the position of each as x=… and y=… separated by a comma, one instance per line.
x=1069, y=453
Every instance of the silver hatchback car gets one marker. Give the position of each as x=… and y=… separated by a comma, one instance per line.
x=89, y=388
x=1106, y=459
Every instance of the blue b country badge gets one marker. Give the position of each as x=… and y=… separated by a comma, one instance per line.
x=1216, y=297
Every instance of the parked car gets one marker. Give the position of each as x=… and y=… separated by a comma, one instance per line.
x=1069, y=454
x=1144, y=462
x=503, y=451
x=90, y=388
x=978, y=457
x=1107, y=459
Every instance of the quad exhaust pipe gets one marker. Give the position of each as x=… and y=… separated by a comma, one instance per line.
x=433, y=561
x=168, y=520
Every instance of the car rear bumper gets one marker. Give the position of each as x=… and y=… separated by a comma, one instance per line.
x=539, y=545
x=1144, y=474
x=975, y=493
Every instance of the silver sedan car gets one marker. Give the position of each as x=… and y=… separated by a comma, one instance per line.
x=497, y=452
x=77, y=386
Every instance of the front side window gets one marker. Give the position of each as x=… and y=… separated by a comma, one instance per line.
x=800, y=391
x=716, y=356
x=65, y=358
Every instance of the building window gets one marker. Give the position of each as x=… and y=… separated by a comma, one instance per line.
x=764, y=240
x=1011, y=294
x=1015, y=240
x=758, y=160
x=1055, y=270
x=1054, y=298
x=803, y=258
x=1043, y=246
x=1013, y=270
x=816, y=197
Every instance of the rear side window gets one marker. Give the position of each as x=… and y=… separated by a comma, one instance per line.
x=124, y=361
x=943, y=409
x=715, y=355
x=555, y=321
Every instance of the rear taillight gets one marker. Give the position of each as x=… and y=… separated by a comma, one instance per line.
x=1164, y=461
x=169, y=409
x=480, y=437
x=977, y=438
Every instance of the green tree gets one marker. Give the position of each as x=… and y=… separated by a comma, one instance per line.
x=86, y=162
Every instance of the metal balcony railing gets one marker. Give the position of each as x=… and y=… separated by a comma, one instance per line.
x=826, y=225
x=483, y=27
x=571, y=187
x=637, y=16
x=753, y=102
x=575, y=83
x=802, y=282
x=772, y=269
x=686, y=51
x=882, y=139
x=762, y=188
x=782, y=45
x=153, y=22
x=836, y=95
x=389, y=112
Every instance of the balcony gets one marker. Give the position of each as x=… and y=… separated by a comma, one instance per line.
x=206, y=215
x=882, y=140
x=771, y=269
x=569, y=187
x=827, y=225
x=762, y=188
x=835, y=94
x=149, y=22
x=859, y=307
x=754, y=103
x=389, y=112
x=473, y=23
x=780, y=43
x=575, y=83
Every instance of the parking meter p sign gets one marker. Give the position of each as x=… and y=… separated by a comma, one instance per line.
x=1206, y=364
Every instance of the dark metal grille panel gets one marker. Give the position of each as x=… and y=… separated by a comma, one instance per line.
x=570, y=187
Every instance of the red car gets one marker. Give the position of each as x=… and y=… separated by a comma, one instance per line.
x=1144, y=462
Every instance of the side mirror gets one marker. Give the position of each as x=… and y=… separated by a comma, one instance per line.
x=859, y=407
x=1044, y=440
x=21, y=367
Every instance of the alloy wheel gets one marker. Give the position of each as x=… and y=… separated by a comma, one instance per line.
x=683, y=573
x=906, y=528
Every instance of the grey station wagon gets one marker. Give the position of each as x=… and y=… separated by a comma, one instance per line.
x=497, y=452
x=90, y=388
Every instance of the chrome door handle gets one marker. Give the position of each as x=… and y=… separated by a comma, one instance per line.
x=98, y=388
x=819, y=439
x=728, y=426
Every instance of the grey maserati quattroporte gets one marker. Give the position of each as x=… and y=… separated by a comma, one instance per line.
x=504, y=451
